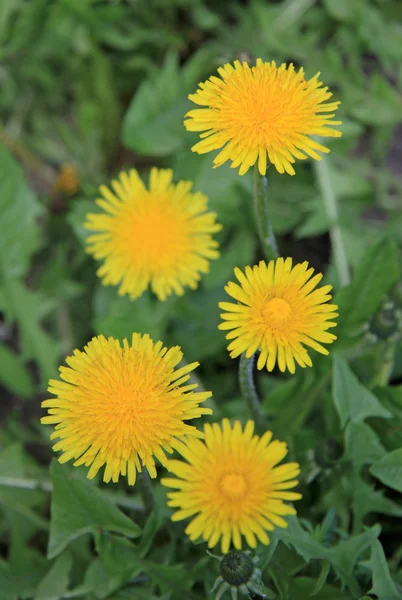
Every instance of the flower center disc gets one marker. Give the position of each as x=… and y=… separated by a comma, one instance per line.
x=156, y=236
x=233, y=485
x=276, y=311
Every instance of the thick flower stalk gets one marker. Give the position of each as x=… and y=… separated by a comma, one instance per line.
x=121, y=406
x=278, y=312
x=161, y=236
x=231, y=485
x=262, y=113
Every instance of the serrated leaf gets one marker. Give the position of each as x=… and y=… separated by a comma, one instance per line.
x=24, y=306
x=13, y=375
x=153, y=123
x=77, y=508
x=389, y=470
x=362, y=445
x=365, y=500
x=345, y=555
x=352, y=400
x=383, y=586
x=322, y=579
x=376, y=274
x=294, y=535
x=342, y=557
x=19, y=210
x=55, y=582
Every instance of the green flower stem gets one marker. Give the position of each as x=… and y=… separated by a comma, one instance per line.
x=262, y=215
x=309, y=402
x=247, y=387
x=386, y=364
x=331, y=208
x=270, y=248
x=147, y=493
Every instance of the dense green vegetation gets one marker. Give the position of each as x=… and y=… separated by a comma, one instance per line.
x=102, y=85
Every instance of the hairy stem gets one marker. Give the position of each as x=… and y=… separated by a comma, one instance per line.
x=262, y=215
x=147, y=493
x=247, y=387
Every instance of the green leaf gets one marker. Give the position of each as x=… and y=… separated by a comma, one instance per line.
x=96, y=580
x=389, y=469
x=238, y=253
x=25, y=307
x=13, y=375
x=55, y=583
x=120, y=317
x=345, y=555
x=379, y=105
x=322, y=579
x=301, y=588
x=294, y=535
x=383, y=586
x=374, y=277
x=196, y=325
x=352, y=400
x=342, y=557
x=78, y=508
x=120, y=558
x=153, y=124
x=7, y=583
x=343, y=10
x=7, y=7
x=365, y=500
x=23, y=558
x=77, y=215
x=171, y=575
x=154, y=522
x=362, y=444
x=221, y=186
x=19, y=211
x=14, y=464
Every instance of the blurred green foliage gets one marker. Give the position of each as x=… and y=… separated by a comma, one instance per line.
x=102, y=85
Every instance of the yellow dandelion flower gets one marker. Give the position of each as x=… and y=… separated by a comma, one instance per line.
x=161, y=236
x=120, y=406
x=231, y=485
x=278, y=313
x=262, y=110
